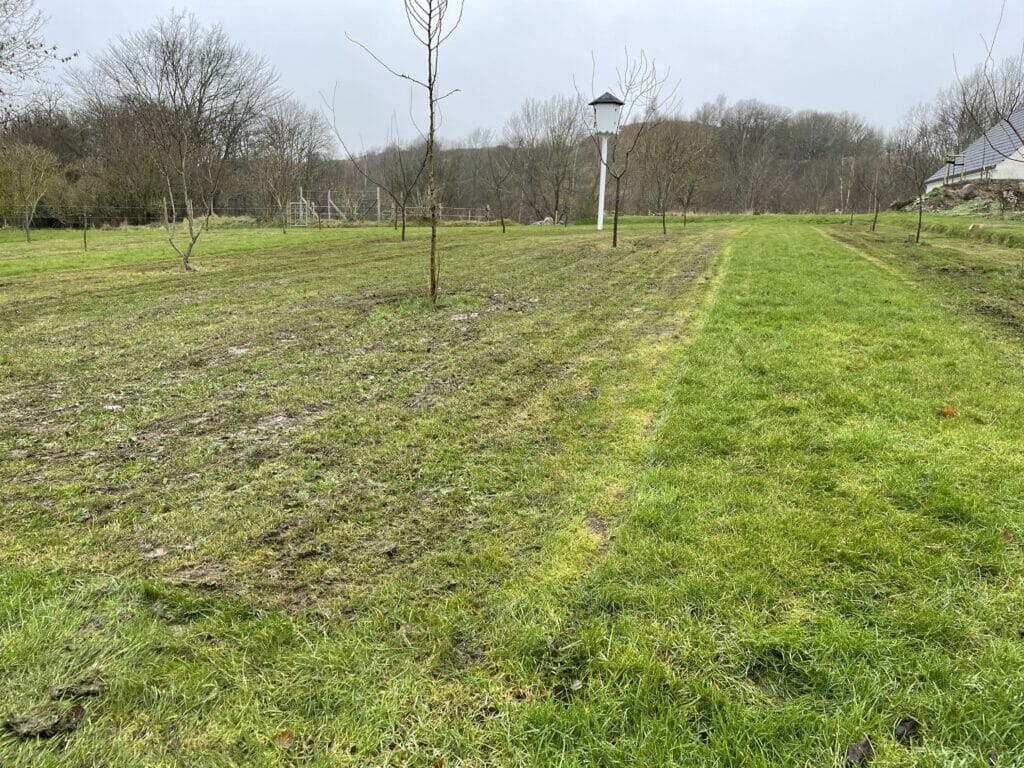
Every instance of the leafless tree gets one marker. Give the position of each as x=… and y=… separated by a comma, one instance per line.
x=987, y=96
x=675, y=158
x=290, y=139
x=876, y=174
x=24, y=53
x=27, y=174
x=847, y=179
x=396, y=170
x=197, y=97
x=881, y=174
x=645, y=93
x=79, y=195
x=432, y=24
x=501, y=165
x=915, y=155
x=548, y=135
x=752, y=135
x=403, y=168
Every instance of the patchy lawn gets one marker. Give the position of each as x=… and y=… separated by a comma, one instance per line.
x=284, y=494
x=741, y=495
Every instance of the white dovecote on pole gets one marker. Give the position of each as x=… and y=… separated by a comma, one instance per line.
x=607, y=109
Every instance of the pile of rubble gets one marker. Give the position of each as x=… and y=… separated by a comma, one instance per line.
x=994, y=197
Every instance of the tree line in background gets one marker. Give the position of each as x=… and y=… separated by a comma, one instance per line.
x=177, y=123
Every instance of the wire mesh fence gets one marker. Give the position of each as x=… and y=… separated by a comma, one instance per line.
x=299, y=213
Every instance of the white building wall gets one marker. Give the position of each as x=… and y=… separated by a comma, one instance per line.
x=952, y=180
x=1010, y=168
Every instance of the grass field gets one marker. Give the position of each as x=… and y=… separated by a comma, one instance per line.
x=738, y=495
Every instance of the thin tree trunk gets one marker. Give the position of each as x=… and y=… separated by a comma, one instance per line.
x=920, y=217
x=431, y=192
x=874, y=220
x=28, y=230
x=193, y=235
x=85, y=232
x=433, y=229
x=403, y=222
x=664, y=226
x=615, y=221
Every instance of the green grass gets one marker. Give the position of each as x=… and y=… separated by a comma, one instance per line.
x=973, y=272
x=1004, y=231
x=691, y=502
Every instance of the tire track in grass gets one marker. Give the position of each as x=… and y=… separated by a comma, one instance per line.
x=532, y=615
x=706, y=309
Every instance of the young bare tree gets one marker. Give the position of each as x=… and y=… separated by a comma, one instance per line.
x=291, y=138
x=396, y=171
x=79, y=195
x=915, y=155
x=702, y=149
x=27, y=174
x=432, y=25
x=197, y=97
x=644, y=92
x=674, y=159
x=501, y=165
x=403, y=168
x=847, y=179
x=873, y=178
x=880, y=176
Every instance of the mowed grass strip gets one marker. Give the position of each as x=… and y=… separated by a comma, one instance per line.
x=289, y=513
x=828, y=540
x=962, y=270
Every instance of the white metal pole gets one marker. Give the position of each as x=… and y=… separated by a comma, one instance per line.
x=600, y=186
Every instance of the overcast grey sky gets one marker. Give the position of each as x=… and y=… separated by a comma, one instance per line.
x=873, y=57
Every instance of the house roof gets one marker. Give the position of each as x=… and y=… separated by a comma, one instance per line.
x=607, y=98
x=1001, y=141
